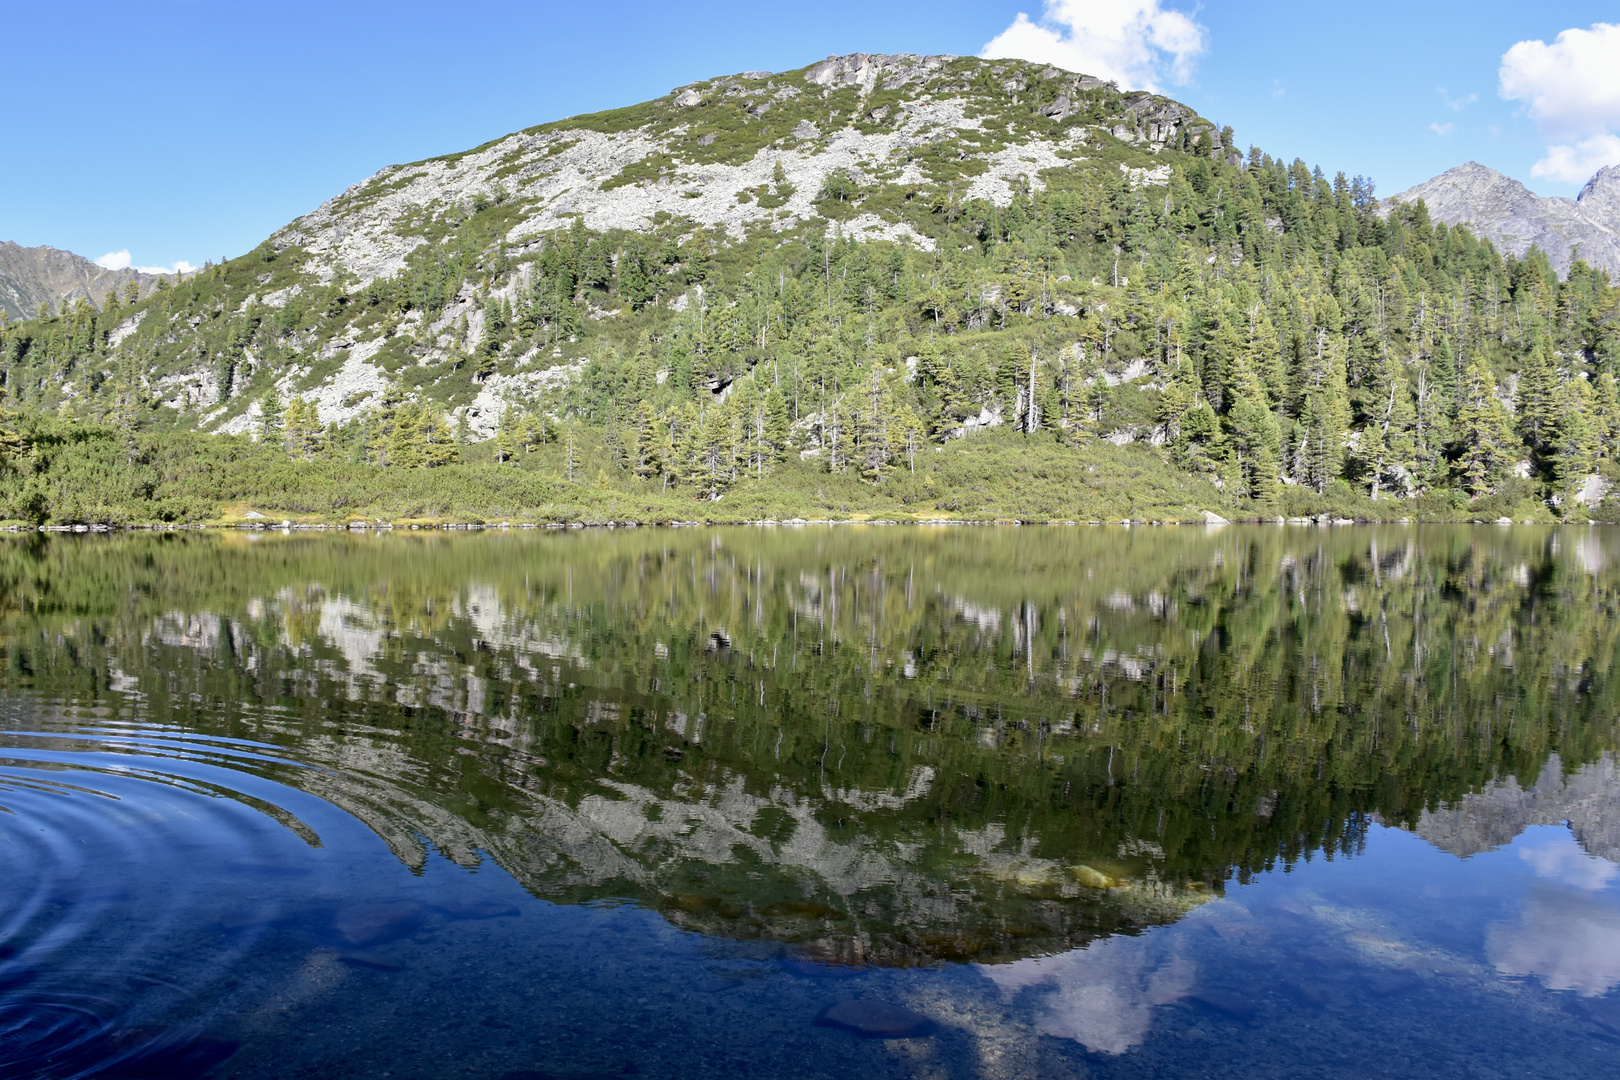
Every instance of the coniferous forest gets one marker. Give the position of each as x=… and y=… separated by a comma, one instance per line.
x=1223, y=332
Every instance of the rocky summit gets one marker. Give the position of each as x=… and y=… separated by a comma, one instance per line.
x=32, y=276
x=1515, y=219
x=754, y=152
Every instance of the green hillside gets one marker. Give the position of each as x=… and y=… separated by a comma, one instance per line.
x=959, y=288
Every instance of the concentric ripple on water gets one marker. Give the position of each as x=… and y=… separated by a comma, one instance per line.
x=134, y=896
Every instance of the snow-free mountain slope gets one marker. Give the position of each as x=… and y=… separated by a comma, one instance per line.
x=755, y=151
x=1515, y=219
x=31, y=276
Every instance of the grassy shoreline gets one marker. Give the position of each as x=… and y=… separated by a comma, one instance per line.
x=98, y=476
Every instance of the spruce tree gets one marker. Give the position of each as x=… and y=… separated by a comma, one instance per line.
x=1484, y=432
x=270, y=419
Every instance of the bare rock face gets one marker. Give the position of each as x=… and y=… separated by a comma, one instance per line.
x=31, y=276
x=1600, y=198
x=864, y=69
x=1514, y=218
x=1589, y=800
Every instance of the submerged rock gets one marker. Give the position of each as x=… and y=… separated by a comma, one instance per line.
x=873, y=1019
x=812, y=969
x=371, y=963
x=373, y=924
x=1092, y=879
x=477, y=909
x=1226, y=1002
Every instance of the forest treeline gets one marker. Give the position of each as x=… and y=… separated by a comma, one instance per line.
x=1258, y=328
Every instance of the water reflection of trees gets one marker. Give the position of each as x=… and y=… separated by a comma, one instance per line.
x=884, y=743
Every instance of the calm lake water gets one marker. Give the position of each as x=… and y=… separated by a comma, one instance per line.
x=811, y=802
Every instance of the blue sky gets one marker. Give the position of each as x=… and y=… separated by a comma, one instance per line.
x=190, y=129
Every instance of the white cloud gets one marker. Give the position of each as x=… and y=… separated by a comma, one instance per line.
x=1442, y=130
x=1133, y=42
x=1576, y=164
x=1572, y=91
x=120, y=260
x=1456, y=104
x=1569, y=940
x=1102, y=996
x=1564, y=860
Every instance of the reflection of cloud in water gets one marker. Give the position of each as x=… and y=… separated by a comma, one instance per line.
x=1563, y=860
x=1569, y=939
x=1102, y=996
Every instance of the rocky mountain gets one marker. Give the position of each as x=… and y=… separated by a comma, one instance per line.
x=755, y=151
x=1514, y=218
x=31, y=276
x=839, y=268
x=856, y=147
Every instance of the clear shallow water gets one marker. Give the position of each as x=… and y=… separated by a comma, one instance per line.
x=1085, y=802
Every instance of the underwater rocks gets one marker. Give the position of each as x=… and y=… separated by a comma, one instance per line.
x=1092, y=879
x=363, y=925
x=476, y=909
x=873, y=1019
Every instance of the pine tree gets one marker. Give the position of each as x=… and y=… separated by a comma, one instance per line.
x=1484, y=430
x=1325, y=417
x=302, y=429
x=1606, y=414
x=406, y=444
x=646, y=451
x=1431, y=425
x=270, y=419
x=1388, y=444
x=1574, y=438
x=437, y=439
x=506, y=435
x=1536, y=398
x=1253, y=438
x=777, y=427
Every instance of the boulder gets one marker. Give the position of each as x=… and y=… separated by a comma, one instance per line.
x=372, y=924
x=873, y=1019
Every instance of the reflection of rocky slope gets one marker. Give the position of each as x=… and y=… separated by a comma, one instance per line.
x=908, y=762
x=1588, y=800
x=735, y=853
x=720, y=859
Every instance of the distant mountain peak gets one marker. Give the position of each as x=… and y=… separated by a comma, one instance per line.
x=1515, y=219
x=31, y=276
x=1601, y=195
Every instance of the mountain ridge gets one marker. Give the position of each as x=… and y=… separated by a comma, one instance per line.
x=46, y=275
x=677, y=163
x=1515, y=219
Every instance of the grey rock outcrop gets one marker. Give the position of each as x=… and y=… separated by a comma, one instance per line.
x=31, y=276
x=1514, y=218
x=1600, y=197
x=1589, y=800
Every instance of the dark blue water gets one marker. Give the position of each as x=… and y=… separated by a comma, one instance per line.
x=177, y=901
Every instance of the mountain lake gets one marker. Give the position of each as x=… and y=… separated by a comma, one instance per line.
x=820, y=801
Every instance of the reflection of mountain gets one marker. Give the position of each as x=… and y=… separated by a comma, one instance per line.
x=893, y=746
x=1588, y=799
